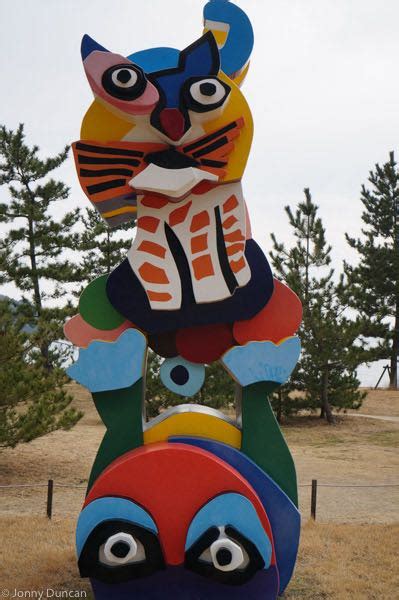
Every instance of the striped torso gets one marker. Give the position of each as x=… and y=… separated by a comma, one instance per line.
x=211, y=229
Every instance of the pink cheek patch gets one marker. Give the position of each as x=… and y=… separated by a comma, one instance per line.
x=97, y=63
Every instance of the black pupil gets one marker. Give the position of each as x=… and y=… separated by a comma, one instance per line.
x=179, y=375
x=224, y=557
x=120, y=549
x=208, y=89
x=124, y=76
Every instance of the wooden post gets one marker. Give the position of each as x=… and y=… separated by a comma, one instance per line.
x=313, y=500
x=50, y=490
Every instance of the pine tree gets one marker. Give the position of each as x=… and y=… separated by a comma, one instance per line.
x=102, y=248
x=33, y=401
x=32, y=251
x=375, y=280
x=326, y=373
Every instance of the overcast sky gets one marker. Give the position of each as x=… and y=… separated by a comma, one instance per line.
x=323, y=87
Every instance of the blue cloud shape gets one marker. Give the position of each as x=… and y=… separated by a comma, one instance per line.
x=263, y=361
x=106, y=366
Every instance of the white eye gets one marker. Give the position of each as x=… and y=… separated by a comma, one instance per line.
x=227, y=555
x=124, y=77
x=208, y=91
x=121, y=549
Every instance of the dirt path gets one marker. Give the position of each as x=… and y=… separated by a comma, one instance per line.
x=378, y=417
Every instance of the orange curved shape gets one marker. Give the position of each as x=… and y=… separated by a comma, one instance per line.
x=280, y=318
x=81, y=334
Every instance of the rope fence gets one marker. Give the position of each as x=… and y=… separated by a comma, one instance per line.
x=314, y=485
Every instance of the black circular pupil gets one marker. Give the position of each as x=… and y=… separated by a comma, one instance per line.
x=179, y=375
x=224, y=557
x=120, y=549
x=208, y=89
x=124, y=76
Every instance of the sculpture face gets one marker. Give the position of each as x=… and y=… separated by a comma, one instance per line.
x=205, y=524
x=173, y=129
x=190, y=504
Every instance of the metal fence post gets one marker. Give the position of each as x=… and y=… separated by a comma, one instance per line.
x=50, y=490
x=313, y=500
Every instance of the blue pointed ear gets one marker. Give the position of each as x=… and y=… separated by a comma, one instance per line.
x=202, y=56
x=89, y=45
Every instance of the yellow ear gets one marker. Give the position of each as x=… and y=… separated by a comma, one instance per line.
x=237, y=108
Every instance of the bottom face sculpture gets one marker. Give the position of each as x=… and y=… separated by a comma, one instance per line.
x=172, y=520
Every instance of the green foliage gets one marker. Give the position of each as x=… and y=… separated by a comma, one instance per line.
x=374, y=289
x=32, y=250
x=32, y=400
x=331, y=341
x=217, y=391
x=102, y=248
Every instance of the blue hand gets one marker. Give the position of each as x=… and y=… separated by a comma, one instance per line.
x=106, y=366
x=263, y=361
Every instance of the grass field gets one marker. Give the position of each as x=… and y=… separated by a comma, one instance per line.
x=350, y=553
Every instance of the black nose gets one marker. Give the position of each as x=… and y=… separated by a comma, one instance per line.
x=170, y=159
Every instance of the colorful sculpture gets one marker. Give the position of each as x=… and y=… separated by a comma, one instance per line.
x=191, y=504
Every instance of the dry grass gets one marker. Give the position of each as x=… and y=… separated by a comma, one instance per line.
x=381, y=402
x=335, y=561
x=37, y=554
x=342, y=562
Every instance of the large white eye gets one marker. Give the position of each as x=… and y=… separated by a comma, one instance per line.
x=121, y=549
x=227, y=555
x=124, y=77
x=126, y=82
x=207, y=94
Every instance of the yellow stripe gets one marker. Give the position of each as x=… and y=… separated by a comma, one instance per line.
x=119, y=211
x=194, y=424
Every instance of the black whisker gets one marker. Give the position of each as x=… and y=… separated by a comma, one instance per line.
x=94, y=160
x=212, y=163
x=105, y=172
x=108, y=150
x=211, y=147
x=107, y=185
x=210, y=137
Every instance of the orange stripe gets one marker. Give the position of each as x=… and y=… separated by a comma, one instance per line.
x=229, y=222
x=203, y=267
x=199, y=243
x=237, y=265
x=158, y=296
x=152, y=248
x=199, y=221
x=153, y=274
x=154, y=201
x=148, y=224
x=107, y=194
x=234, y=248
x=179, y=215
x=220, y=153
x=236, y=236
x=230, y=204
